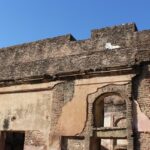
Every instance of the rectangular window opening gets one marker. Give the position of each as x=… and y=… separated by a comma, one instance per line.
x=10, y=140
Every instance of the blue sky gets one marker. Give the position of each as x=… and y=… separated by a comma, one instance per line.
x=30, y=20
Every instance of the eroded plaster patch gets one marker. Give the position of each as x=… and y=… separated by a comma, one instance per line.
x=74, y=113
x=142, y=122
x=110, y=46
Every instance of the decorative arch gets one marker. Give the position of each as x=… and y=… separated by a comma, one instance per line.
x=124, y=91
x=121, y=90
x=118, y=120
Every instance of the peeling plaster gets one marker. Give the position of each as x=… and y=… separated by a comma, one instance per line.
x=74, y=113
x=110, y=46
x=29, y=87
x=142, y=122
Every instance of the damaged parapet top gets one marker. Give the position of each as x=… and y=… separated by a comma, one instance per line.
x=114, y=47
x=110, y=31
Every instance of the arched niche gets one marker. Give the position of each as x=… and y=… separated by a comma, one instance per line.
x=107, y=108
x=95, y=101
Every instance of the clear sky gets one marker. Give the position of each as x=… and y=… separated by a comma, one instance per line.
x=29, y=20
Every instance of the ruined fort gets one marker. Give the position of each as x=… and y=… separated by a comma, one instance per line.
x=66, y=94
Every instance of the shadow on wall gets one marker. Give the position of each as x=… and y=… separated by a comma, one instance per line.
x=103, y=148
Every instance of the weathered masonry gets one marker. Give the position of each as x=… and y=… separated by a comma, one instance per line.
x=63, y=94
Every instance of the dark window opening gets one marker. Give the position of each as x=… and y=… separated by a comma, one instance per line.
x=12, y=140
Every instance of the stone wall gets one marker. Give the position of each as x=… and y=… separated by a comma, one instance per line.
x=142, y=141
x=142, y=94
x=35, y=140
x=49, y=111
x=48, y=88
x=73, y=143
x=114, y=47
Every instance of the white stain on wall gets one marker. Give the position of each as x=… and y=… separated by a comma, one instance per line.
x=110, y=46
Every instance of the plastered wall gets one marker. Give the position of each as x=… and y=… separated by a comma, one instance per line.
x=33, y=107
x=74, y=113
x=25, y=111
x=27, y=108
